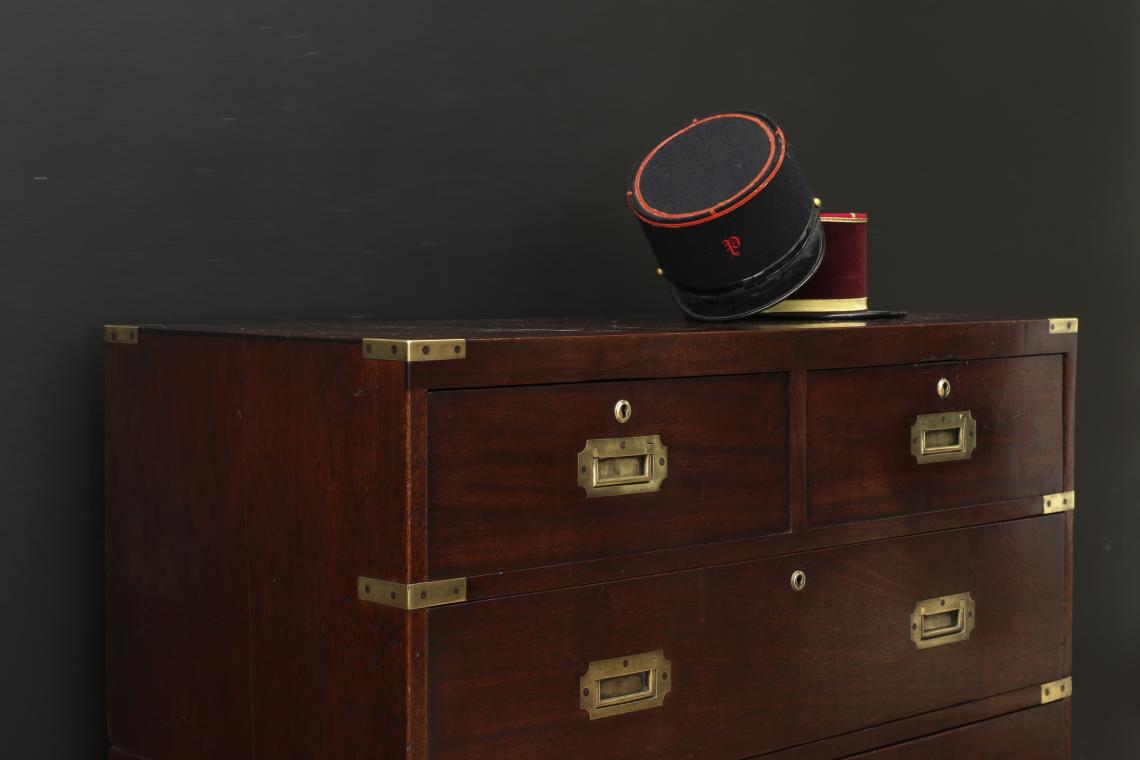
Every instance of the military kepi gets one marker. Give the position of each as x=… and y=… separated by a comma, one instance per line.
x=729, y=215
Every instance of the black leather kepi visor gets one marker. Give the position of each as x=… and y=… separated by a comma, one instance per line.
x=728, y=214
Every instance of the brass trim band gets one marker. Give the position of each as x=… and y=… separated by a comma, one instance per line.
x=827, y=305
x=826, y=218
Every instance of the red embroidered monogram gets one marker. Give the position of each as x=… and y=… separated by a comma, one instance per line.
x=732, y=245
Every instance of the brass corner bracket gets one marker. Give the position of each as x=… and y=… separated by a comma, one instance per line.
x=121, y=334
x=1066, y=501
x=1060, y=325
x=1056, y=690
x=411, y=596
x=414, y=350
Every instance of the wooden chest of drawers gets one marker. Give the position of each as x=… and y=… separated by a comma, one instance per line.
x=643, y=539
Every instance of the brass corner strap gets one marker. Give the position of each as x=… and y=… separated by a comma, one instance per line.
x=1056, y=690
x=411, y=596
x=1066, y=501
x=1061, y=325
x=121, y=334
x=438, y=350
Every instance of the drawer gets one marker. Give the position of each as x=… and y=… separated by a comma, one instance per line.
x=750, y=664
x=1039, y=733
x=511, y=471
x=866, y=429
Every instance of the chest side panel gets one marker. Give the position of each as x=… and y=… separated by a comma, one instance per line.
x=177, y=600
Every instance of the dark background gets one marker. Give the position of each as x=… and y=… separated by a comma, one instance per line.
x=322, y=160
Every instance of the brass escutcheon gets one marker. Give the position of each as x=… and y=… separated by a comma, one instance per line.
x=943, y=388
x=799, y=580
x=623, y=410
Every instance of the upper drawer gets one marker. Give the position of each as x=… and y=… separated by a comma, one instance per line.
x=511, y=479
x=892, y=440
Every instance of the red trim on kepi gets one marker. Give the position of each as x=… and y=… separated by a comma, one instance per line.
x=729, y=215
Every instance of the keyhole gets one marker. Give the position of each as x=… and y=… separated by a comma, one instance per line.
x=623, y=411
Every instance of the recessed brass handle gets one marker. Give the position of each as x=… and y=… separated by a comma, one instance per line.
x=613, y=466
x=943, y=437
x=942, y=620
x=625, y=684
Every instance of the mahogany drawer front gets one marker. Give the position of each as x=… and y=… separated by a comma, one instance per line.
x=504, y=467
x=863, y=425
x=1039, y=733
x=753, y=665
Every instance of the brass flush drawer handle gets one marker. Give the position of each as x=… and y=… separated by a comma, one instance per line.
x=943, y=437
x=942, y=620
x=625, y=684
x=613, y=466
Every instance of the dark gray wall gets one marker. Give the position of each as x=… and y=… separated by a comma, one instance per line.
x=317, y=160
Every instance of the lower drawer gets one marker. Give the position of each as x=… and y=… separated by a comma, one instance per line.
x=737, y=662
x=1039, y=733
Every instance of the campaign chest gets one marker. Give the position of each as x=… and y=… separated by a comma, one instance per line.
x=646, y=538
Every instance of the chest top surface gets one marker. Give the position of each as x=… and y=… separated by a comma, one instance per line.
x=536, y=351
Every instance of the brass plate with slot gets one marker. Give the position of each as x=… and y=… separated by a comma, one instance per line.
x=943, y=437
x=613, y=466
x=942, y=620
x=625, y=684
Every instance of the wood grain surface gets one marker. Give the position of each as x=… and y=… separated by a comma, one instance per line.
x=859, y=462
x=503, y=470
x=178, y=658
x=1039, y=733
x=755, y=665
